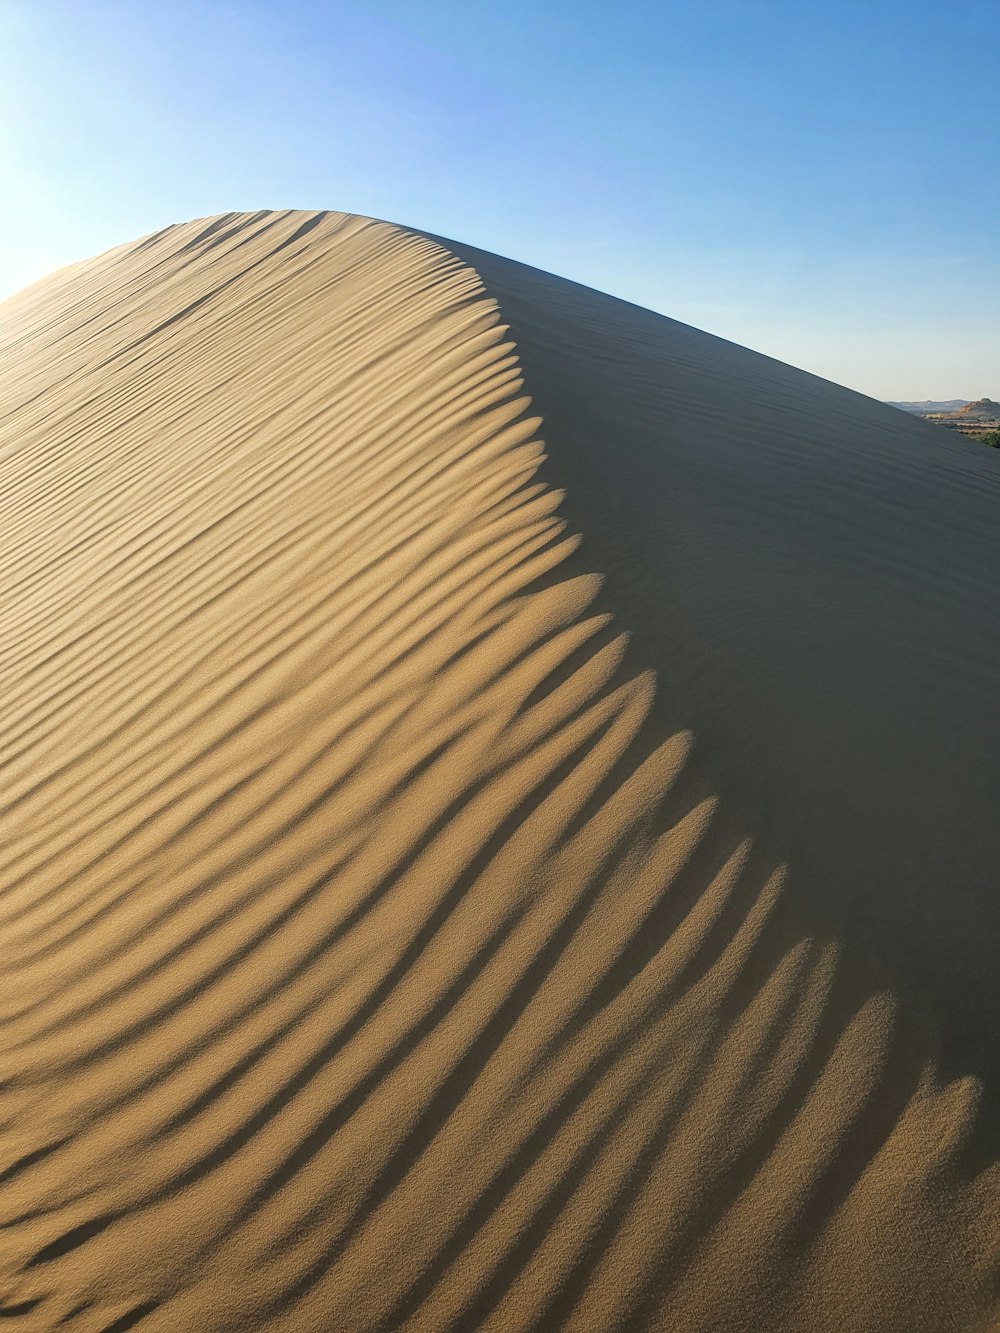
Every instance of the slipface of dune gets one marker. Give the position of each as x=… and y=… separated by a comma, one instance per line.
x=499, y=808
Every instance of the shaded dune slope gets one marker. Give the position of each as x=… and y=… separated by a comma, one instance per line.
x=815, y=586
x=450, y=885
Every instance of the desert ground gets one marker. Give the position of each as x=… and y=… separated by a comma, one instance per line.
x=500, y=810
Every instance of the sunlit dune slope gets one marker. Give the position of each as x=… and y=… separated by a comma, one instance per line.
x=499, y=805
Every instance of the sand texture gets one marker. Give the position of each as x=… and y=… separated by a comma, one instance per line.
x=500, y=810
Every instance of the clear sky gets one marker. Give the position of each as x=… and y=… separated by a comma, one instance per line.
x=817, y=181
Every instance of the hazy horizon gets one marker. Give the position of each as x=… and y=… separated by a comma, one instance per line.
x=778, y=179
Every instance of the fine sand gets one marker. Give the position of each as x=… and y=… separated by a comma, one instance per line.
x=500, y=809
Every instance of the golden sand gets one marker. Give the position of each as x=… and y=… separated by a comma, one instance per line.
x=499, y=809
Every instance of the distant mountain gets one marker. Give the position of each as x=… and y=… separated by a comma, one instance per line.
x=952, y=405
x=983, y=409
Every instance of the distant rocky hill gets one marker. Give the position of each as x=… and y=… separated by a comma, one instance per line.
x=983, y=409
x=970, y=418
x=952, y=405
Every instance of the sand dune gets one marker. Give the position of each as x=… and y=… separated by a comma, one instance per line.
x=500, y=810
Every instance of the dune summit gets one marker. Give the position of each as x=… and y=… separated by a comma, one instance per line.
x=500, y=806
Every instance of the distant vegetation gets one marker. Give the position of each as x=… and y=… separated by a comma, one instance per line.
x=991, y=437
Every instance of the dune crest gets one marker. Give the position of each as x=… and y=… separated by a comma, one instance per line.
x=416, y=914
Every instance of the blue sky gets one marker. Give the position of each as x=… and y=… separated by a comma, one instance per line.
x=819, y=182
